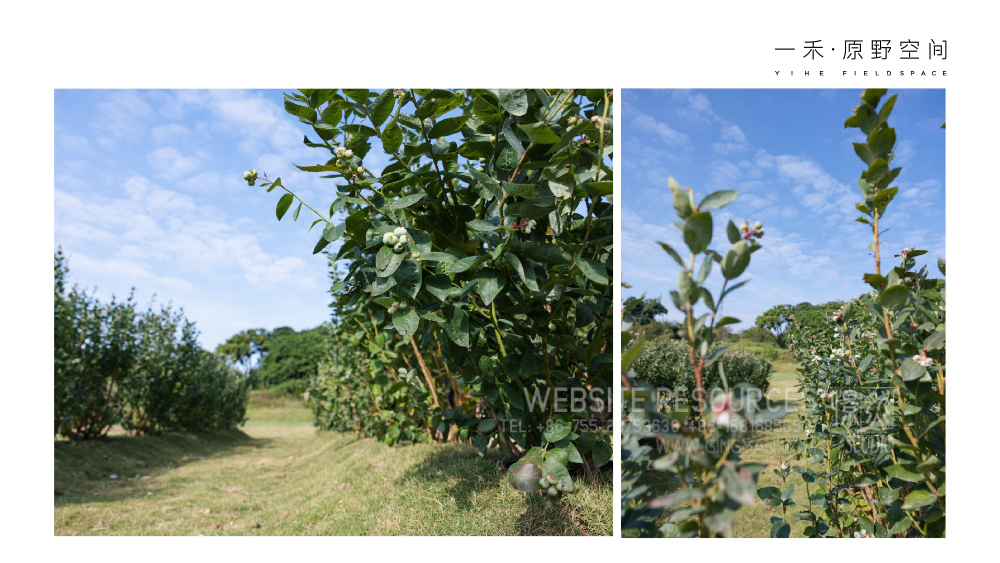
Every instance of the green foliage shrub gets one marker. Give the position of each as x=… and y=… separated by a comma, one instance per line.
x=145, y=370
x=477, y=261
x=665, y=364
x=757, y=334
x=873, y=377
x=95, y=348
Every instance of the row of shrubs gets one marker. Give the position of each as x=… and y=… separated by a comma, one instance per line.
x=144, y=370
x=665, y=364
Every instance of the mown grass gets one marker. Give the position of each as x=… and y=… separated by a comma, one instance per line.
x=765, y=446
x=278, y=476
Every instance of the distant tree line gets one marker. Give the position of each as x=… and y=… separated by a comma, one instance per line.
x=649, y=314
x=281, y=358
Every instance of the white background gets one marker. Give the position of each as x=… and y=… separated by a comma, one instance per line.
x=486, y=44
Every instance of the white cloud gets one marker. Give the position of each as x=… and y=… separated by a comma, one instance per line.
x=668, y=135
x=121, y=116
x=154, y=225
x=171, y=163
x=171, y=132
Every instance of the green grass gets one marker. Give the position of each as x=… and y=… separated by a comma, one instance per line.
x=278, y=476
x=766, y=447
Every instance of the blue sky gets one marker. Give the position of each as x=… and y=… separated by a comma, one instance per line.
x=149, y=194
x=791, y=159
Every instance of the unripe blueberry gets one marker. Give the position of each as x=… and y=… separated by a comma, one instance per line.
x=757, y=225
x=361, y=170
x=399, y=231
x=348, y=153
x=553, y=492
x=340, y=151
x=400, y=247
x=402, y=304
x=543, y=483
x=354, y=167
x=416, y=254
x=247, y=175
x=760, y=233
x=253, y=173
x=388, y=238
x=403, y=239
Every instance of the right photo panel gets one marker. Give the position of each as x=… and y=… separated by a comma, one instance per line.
x=783, y=303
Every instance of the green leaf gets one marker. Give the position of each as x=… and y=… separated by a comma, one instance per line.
x=406, y=201
x=556, y=430
x=492, y=184
x=457, y=325
x=357, y=94
x=698, y=232
x=381, y=107
x=459, y=266
x=736, y=260
x=386, y=261
x=718, y=200
x=487, y=425
x=392, y=137
x=673, y=253
x=910, y=370
x=439, y=285
x=302, y=112
x=406, y=322
x=594, y=270
x=408, y=277
x=480, y=225
x=539, y=133
x=333, y=232
x=602, y=453
x=295, y=214
x=894, y=297
x=515, y=102
x=448, y=126
x=733, y=233
x=491, y=282
x=864, y=153
x=283, y=204
x=904, y=472
x=525, y=272
x=682, y=202
x=918, y=499
x=320, y=245
x=485, y=110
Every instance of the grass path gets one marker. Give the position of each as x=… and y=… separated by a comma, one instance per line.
x=278, y=476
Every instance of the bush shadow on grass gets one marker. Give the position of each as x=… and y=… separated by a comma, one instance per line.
x=83, y=469
x=468, y=478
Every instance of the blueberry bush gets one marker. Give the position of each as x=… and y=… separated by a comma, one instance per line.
x=692, y=443
x=471, y=283
x=873, y=378
x=143, y=370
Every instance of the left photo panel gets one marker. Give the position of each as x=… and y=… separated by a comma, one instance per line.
x=334, y=312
